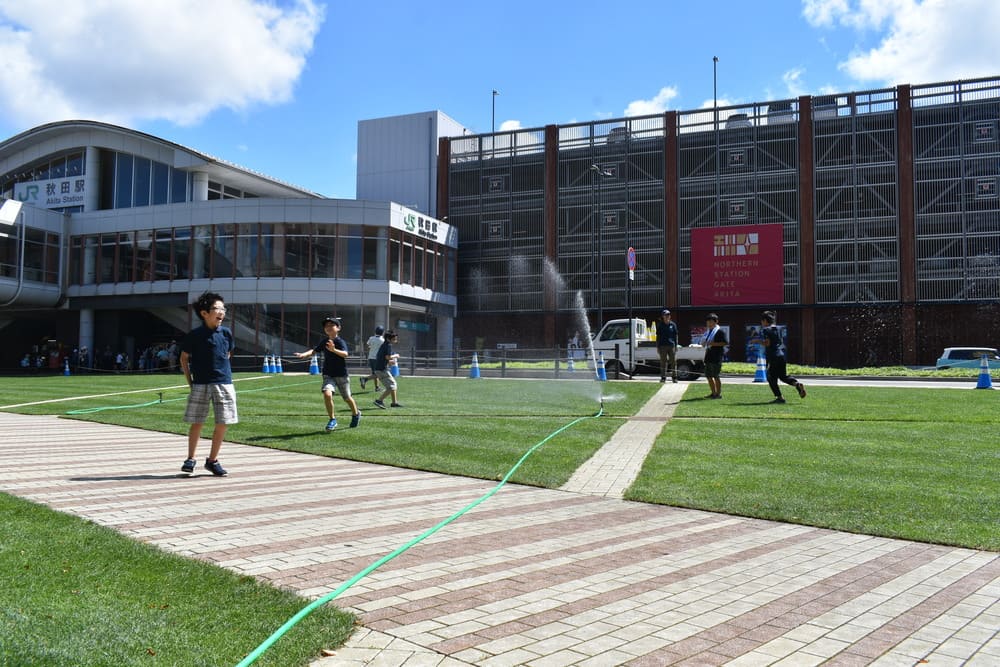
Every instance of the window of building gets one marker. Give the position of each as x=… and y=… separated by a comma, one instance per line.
x=161, y=183
x=142, y=181
x=123, y=180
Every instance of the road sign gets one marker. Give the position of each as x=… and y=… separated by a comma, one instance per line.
x=630, y=258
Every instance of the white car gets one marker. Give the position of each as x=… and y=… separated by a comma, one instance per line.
x=968, y=357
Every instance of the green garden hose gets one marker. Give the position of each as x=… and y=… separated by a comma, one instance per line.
x=293, y=621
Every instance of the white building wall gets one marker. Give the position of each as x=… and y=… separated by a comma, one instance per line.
x=397, y=158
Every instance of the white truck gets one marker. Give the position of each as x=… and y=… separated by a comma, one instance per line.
x=632, y=350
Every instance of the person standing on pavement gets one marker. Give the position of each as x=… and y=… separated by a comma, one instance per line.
x=714, y=341
x=204, y=360
x=774, y=353
x=666, y=345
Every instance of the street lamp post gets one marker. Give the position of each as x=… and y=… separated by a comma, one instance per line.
x=494, y=120
x=601, y=174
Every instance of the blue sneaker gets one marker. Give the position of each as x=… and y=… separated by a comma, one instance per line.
x=355, y=420
x=332, y=424
x=215, y=468
x=188, y=466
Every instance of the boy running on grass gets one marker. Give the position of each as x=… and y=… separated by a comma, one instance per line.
x=383, y=369
x=774, y=351
x=204, y=360
x=335, y=377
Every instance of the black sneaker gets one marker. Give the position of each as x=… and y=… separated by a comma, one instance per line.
x=215, y=468
x=355, y=420
x=188, y=466
x=379, y=403
x=802, y=390
x=395, y=405
x=778, y=400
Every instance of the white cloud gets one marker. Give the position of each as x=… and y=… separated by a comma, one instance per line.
x=793, y=82
x=120, y=60
x=509, y=125
x=659, y=103
x=923, y=41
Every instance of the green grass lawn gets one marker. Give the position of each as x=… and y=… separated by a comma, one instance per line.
x=919, y=464
x=75, y=593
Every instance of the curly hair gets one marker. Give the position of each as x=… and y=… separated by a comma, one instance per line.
x=206, y=301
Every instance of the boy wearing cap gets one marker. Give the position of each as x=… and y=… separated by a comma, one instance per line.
x=335, y=353
x=666, y=345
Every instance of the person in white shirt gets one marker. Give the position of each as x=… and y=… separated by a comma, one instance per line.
x=374, y=343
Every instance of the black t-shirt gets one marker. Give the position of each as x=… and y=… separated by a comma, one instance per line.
x=714, y=354
x=774, y=349
x=334, y=365
x=209, y=351
x=381, y=363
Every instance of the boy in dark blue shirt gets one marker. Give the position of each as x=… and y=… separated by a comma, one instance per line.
x=204, y=360
x=383, y=369
x=335, y=377
x=774, y=352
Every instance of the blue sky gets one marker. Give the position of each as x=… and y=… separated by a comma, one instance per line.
x=279, y=86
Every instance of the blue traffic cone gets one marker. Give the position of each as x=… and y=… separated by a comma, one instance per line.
x=263, y=367
x=65, y=366
x=569, y=364
x=278, y=368
x=314, y=366
x=602, y=373
x=270, y=364
x=474, y=369
x=760, y=375
x=985, y=381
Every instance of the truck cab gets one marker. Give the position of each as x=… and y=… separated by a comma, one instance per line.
x=629, y=346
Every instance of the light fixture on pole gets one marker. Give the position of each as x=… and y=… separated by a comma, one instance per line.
x=715, y=90
x=494, y=125
x=601, y=173
x=9, y=212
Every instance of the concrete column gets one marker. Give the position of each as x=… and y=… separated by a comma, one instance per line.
x=445, y=335
x=199, y=186
x=89, y=276
x=92, y=178
x=86, y=335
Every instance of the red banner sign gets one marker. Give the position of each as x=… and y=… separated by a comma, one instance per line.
x=737, y=265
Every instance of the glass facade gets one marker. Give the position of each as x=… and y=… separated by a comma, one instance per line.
x=129, y=181
x=285, y=250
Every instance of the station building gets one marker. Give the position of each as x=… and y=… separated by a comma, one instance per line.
x=119, y=231
x=870, y=221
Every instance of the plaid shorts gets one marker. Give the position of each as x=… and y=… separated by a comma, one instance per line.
x=341, y=385
x=387, y=378
x=222, y=397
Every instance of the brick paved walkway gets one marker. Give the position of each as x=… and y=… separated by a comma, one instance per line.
x=532, y=576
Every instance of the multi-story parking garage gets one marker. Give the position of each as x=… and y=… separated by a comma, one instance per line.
x=880, y=206
x=119, y=231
